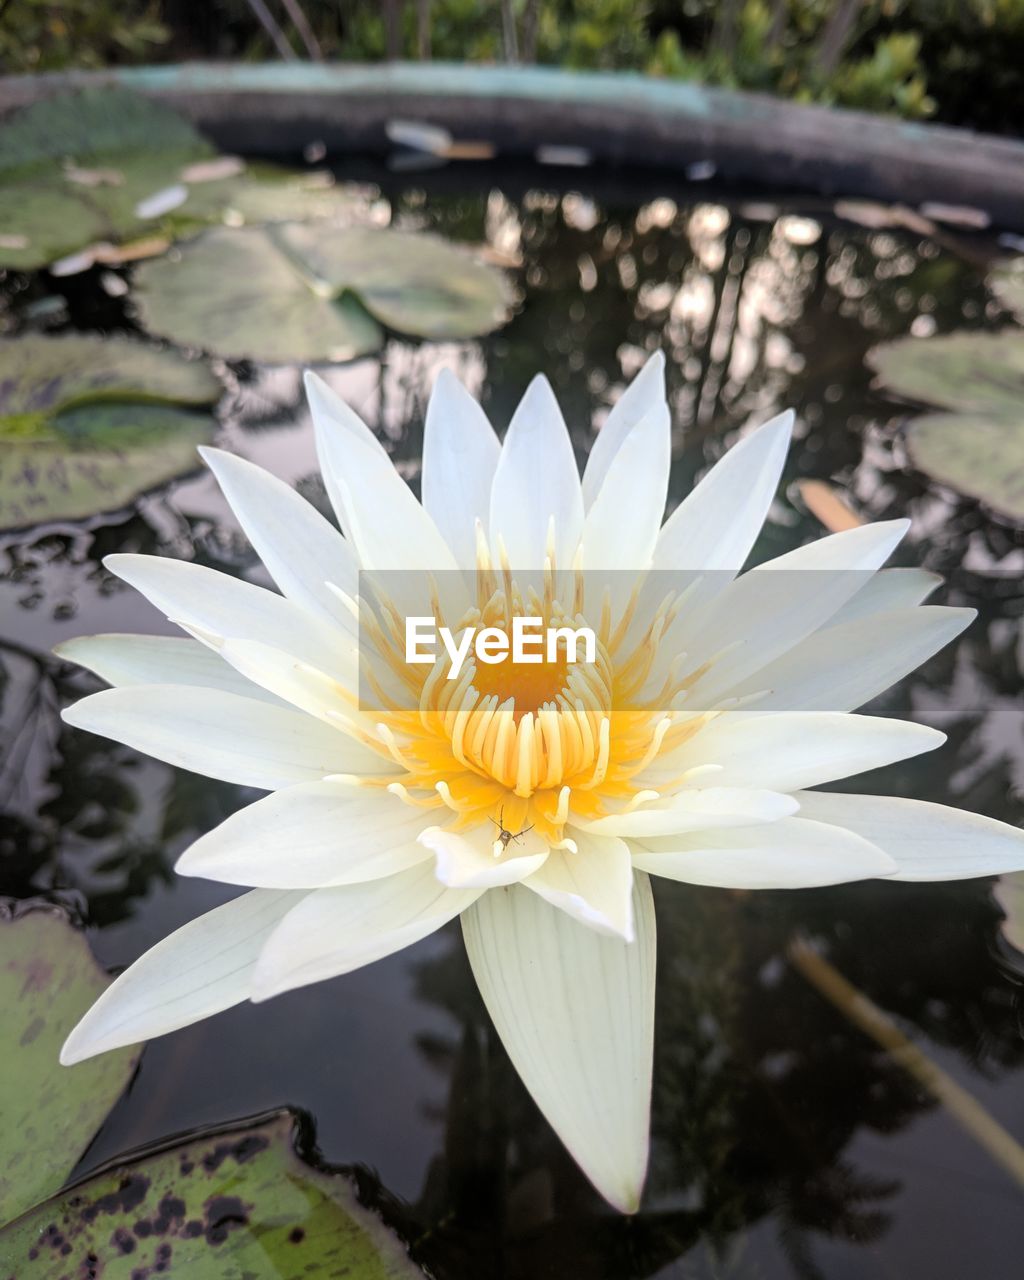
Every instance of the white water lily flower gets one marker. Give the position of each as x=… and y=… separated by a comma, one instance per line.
x=381, y=827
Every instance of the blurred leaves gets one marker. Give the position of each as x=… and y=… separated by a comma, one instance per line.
x=978, y=448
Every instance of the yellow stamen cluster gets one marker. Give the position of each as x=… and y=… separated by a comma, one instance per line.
x=533, y=742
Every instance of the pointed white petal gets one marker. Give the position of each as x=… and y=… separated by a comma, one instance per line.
x=844, y=667
x=299, y=683
x=212, y=603
x=460, y=455
x=716, y=525
x=887, y=590
x=314, y=834
x=301, y=550
x=221, y=735
x=621, y=527
x=643, y=395
x=334, y=931
x=928, y=841
x=696, y=810
x=790, y=854
x=594, y=885
x=774, y=607
x=124, y=660
x=785, y=751
x=388, y=528
x=575, y=1011
x=467, y=861
x=332, y=415
x=536, y=481
x=200, y=969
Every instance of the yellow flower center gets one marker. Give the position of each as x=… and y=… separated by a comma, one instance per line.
x=528, y=742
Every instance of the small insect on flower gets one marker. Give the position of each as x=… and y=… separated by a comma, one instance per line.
x=505, y=838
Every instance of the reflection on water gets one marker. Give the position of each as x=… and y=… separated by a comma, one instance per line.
x=786, y=1143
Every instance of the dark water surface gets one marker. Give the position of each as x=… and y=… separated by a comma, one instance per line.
x=786, y=1142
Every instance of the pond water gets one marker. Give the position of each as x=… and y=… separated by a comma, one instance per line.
x=786, y=1141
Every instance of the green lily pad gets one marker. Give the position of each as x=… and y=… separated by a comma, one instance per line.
x=411, y=281
x=982, y=457
x=313, y=291
x=978, y=448
x=238, y=1204
x=88, y=423
x=74, y=167
x=969, y=372
x=48, y=1113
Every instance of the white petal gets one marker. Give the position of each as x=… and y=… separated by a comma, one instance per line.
x=790, y=854
x=379, y=512
x=928, y=841
x=467, y=861
x=643, y=395
x=299, y=683
x=696, y=810
x=575, y=1011
x=124, y=660
x=212, y=603
x=887, y=590
x=460, y=454
x=221, y=735
x=314, y=834
x=594, y=884
x=536, y=481
x=846, y=666
x=621, y=527
x=715, y=525
x=301, y=550
x=332, y=415
x=774, y=607
x=785, y=751
x=200, y=969
x=334, y=931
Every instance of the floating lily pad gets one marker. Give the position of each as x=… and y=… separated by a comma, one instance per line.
x=88, y=423
x=982, y=457
x=307, y=292
x=241, y=1203
x=969, y=372
x=979, y=447
x=48, y=1113
x=75, y=168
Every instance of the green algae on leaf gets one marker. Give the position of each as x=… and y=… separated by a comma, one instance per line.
x=977, y=447
x=240, y=1203
x=316, y=291
x=88, y=423
x=48, y=1113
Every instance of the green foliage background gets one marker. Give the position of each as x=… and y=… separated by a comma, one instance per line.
x=960, y=61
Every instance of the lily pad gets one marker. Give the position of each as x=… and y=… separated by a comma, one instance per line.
x=48, y=1113
x=74, y=168
x=238, y=1204
x=970, y=372
x=314, y=291
x=978, y=448
x=88, y=423
x=982, y=457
